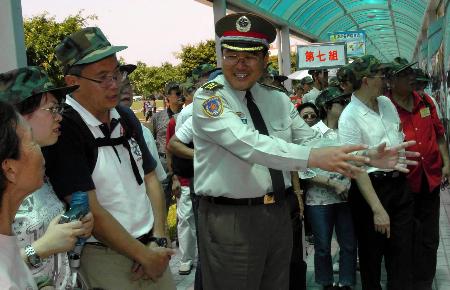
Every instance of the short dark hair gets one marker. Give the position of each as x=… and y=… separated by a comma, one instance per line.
x=308, y=105
x=29, y=105
x=9, y=140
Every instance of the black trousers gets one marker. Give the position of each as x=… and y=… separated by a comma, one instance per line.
x=426, y=236
x=245, y=247
x=297, y=277
x=397, y=200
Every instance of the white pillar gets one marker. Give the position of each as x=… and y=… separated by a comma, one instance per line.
x=220, y=10
x=286, y=56
x=12, y=44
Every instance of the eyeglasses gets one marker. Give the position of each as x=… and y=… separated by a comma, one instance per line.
x=309, y=116
x=233, y=59
x=108, y=80
x=55, y=110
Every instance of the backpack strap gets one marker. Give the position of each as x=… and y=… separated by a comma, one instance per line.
x=73, y=118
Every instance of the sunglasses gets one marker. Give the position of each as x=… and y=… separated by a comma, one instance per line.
x=309, y=116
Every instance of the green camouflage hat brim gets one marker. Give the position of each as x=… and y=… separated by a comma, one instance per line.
x=329, y=94
x=399, y=69
x=100, y=54
x=20, y=84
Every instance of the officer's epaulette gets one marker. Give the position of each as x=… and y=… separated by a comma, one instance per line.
x=212, y=86
x=272, y=87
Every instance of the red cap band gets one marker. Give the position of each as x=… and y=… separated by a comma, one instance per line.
x=246, y=34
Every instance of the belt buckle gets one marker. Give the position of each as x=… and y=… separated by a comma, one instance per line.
x=269, y=199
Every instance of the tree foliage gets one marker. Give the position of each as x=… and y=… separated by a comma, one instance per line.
x=193, y=55
x=43, y=33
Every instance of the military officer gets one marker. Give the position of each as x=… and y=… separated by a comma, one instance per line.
x=247, y=138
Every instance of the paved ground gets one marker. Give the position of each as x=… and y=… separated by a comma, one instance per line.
x=441, y=282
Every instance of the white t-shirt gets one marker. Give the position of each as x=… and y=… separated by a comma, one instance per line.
x=115, y=184
x=31, y=222
x=151, y=144
x=14, y=273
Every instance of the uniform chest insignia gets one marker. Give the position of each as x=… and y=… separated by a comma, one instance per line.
x=213, y=107
x=212, y=86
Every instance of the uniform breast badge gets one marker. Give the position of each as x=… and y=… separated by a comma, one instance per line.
x=213, y=106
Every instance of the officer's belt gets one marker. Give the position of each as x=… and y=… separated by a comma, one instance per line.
x=268, y=198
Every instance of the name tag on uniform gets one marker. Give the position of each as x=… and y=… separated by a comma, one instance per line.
x=425, y=112
x=242, y=117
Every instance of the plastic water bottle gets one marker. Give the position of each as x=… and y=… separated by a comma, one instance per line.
x=80, y=206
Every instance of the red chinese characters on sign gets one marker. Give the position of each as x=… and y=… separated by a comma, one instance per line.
x=321, y=56
x=309, y=56
x=333, y=55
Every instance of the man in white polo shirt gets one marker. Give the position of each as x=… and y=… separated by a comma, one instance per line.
x=102, y=151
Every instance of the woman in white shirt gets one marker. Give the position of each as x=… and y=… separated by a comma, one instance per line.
x=22, y=172
x=44, y=243
x=326, y=201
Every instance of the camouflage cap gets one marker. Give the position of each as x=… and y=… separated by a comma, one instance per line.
x=344, y=73
x=202, y=70
x=19, y=84
x=333, y=82
x=188, y=84
x=399, y=64
x=365, y=66
x=421, y=75
x=330, y=94
x=85, y=46
x=307, y=80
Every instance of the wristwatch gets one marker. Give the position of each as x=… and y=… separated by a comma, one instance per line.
x=162, y=242
x=33, y=258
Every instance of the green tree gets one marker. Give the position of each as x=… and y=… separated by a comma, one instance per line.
x=147, y=80
x=43, y=33
x=194, y=55
x=273, y=59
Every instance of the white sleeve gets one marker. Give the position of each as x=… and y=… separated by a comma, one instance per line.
x=184, y=133
x=150, y=141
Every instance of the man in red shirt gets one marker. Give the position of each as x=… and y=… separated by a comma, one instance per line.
x=420, y=122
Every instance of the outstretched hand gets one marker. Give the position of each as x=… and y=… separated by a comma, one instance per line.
x=338, y=159
x=393, y=157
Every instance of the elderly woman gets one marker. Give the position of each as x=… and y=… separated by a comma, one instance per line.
x=22, y=172
x=44, y=242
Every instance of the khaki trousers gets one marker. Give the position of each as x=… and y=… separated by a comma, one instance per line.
x=105, y=268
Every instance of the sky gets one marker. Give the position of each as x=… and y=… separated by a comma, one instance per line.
x=153, y=30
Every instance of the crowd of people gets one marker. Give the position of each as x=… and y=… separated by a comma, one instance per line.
x=362, y=155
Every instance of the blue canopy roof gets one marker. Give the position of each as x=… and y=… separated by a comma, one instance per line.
x=392, y=26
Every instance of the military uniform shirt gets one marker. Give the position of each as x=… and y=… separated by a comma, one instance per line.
x=231, y=158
